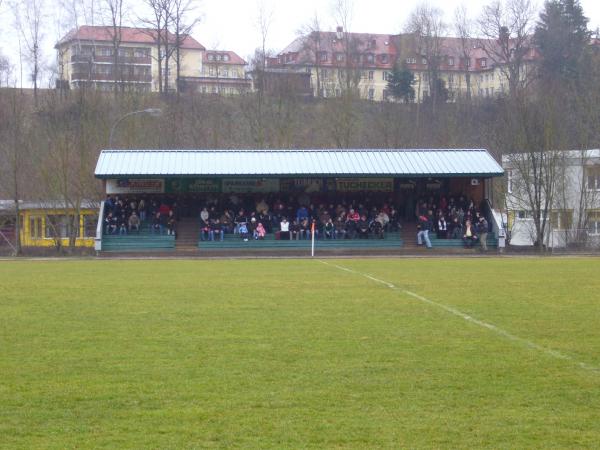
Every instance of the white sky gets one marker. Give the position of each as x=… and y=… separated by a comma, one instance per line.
x=232, y=24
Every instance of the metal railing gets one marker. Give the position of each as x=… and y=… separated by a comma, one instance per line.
x=99, y=229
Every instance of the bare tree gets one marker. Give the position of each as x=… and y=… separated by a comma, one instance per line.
x=463, y=28
x=114, y=13
x=158, y=28
x=506, y=28
x=311, y=47
x=184, y=20
x=429, y=29
x=6, y=71
x=29, y=15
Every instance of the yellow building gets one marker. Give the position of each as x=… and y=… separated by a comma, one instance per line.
x=223, y=72
x=86, y=57
x=341, y=60
x=51, y=224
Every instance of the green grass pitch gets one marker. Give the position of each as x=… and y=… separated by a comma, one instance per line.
x=299, y=354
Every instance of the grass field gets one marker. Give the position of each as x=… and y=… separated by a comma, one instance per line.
x=300, y=354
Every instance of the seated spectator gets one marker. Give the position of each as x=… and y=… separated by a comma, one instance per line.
x=302, y=214
x=110, y=224
x=204, y=215
x=259, y=232
x=243, y=231
x=340, y=228
x=123, y=225
x=157, y=224
x=329, y=229
x=142, y=210
x=240, y=219
x=284, y=230
x=469, y=236
x=226, y=222
x=134, y=222
x=304, y=229
x=205, y=230
x=442, y=228
x=295, y=230
x=456, y=229
x=216, y=230
x=377, y=229
x=362, y=226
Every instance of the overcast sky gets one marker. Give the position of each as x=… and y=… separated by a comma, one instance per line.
x=232, y=24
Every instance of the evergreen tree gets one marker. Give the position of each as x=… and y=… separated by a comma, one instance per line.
x=400, y=84
x=563, y=39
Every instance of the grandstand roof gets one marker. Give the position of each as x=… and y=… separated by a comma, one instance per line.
x=265, y=163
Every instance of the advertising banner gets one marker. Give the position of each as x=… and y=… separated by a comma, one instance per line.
x=365, y=184
x=250, y=185
x=193, y=185
x=135, y=186
x=298, y=185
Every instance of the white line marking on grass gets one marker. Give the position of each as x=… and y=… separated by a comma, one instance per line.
x=456, y=312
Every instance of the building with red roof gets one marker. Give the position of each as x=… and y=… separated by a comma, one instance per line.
x=106, y=58
x=363, y=61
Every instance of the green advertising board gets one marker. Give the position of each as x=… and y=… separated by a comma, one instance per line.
x=192, y=185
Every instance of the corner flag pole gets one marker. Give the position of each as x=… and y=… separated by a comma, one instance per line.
x=312, y=232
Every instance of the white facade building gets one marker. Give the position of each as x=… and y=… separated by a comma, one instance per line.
x=567, y=186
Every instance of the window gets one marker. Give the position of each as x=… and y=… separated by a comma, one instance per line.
x=593, y=178
x=484, y=62
x=371, y=94
x=424, y=61
x=593, y=221
x=561, y=219
x=411, y=60
x=384, y=59
x=211, y=57
x=225, y=57
x=90, y=222
x=370, y=58
x=105, y=51
x=211, y=71
x=60, y=226
x=35, y=227
x=323, y=56
x=509, y=181
x=385, y=76
x=225, y=72
x=385, y=95
x=140, y=53
x=371, y=74
x=450, y=61
x=339, y=57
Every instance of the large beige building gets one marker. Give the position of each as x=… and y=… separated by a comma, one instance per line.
x=362, y=61
x=86, y=57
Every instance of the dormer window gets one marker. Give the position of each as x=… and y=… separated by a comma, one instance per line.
x=411, y=60
x=384, y=59
x=424, y=61
x=451, y=61
x=225, y=57
x=370, y=58
x=211, y=57
x=339, y=57
x=323, y=56
x=483, y=62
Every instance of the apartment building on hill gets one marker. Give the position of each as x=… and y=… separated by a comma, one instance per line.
x=363, y=61
x=100, y=58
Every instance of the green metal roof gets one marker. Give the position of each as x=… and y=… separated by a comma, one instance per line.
x=363, y=162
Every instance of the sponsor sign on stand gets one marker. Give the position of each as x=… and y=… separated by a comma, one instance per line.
x=135, y=186
x=193, y=185
x=307, y=185
x=365, y=184
x=250, y=185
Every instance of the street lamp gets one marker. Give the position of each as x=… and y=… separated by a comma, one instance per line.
x=154, y=112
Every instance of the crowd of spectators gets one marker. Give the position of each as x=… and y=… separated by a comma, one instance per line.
x=288, y=217
x=451, y=218
x=129, y=215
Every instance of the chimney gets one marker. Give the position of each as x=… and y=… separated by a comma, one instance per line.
x=340, y=33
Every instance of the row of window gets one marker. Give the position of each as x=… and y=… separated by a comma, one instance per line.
x=125, y=52
x=62, y=226
x=356, y=58
x=450, y=61
x=592, y=178
x=223, y=72
x=563, y=220
x=218, y=57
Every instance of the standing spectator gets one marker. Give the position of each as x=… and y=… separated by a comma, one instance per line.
x=171, y=224
x=483, y=233
x=425, y=226
x=142, y=210
x=456, y=229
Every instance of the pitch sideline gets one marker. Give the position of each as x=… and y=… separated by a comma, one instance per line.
x=456, y=312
